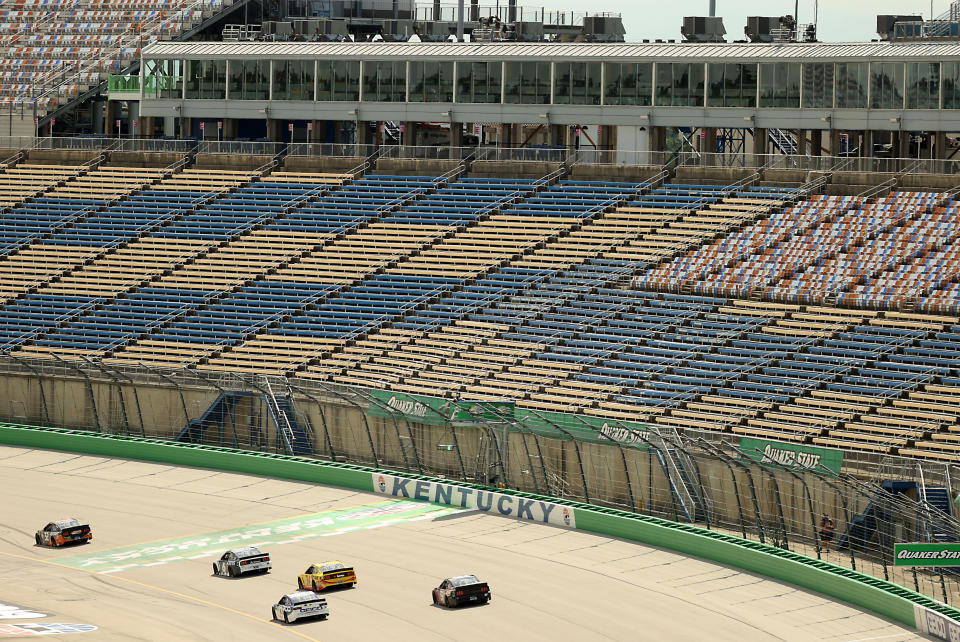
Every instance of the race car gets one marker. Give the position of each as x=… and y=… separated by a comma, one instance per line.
x=326, y=574
x=66, y=531
x=238, y=561
x=300, y=605
x=464, y=589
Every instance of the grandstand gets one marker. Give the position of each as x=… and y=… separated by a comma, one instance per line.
x=738, y=309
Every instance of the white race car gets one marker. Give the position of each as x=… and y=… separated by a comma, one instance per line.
x=238, y=561
x=300, y=605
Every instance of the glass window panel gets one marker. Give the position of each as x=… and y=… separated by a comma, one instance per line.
x=578, y=83
x=542, y=72
x=732, y=85
x=431, y=82
x=302, y=87
x=163, y=78
x=594, y=76
x=923, y=85
x=324, y=81
x=281, y=79
x=445, y=83
x=886, y=85
x=619, y=84
x=563, y=83
x=715, y=80
x=346, y=80
x=851, y=85
x=950, y=72
x=818, y=85
x=292, y=80
x=513, y=79
x=478, y=82
x=779, y=84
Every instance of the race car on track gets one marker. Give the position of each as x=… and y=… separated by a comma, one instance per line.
x=238, y=561
x=464, y=589
x=66, y=531
x=300, y=605
x=326, y=574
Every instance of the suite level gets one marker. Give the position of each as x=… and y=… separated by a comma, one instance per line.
x=887, y=85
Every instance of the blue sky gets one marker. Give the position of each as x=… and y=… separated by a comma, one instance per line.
x=839, y=20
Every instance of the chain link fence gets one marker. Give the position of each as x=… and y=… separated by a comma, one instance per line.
x=764, y=492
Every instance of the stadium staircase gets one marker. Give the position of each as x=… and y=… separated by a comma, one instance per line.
x=864, y=527
x=679, y=471
x=217, y=418
x=214, y=418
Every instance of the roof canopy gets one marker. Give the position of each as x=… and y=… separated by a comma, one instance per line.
x=742, y=52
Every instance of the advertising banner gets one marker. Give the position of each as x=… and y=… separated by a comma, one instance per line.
x=483, y=411
x=584, y=428
x=418, y=408
x=936, y=625
x=793, y=456
x=926, y=554
x=445, y=494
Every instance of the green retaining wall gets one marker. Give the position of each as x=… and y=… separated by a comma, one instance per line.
x=885, y=598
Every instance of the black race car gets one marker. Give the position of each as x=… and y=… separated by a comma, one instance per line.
x=464, y=589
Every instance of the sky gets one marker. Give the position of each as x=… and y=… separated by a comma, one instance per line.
x=838, y=20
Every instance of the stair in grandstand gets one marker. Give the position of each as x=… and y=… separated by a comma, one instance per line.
x=679, y=474
x=784, y=141
x=295, y=437
x=863, y=533
x=214, y=418
x=938, y=498
x=218, y=419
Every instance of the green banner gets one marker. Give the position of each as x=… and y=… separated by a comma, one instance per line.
x=483, y=411
x=939, y=554
x=583, y=428
x=792, y=456
x=418, y=408
x=437, y=412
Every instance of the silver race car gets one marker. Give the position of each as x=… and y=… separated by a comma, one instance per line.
x=300, y=605
x=238, y=561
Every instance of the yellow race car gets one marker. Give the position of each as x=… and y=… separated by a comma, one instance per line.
x=326, y=574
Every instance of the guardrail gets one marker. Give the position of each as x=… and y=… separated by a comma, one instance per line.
x=879, y=596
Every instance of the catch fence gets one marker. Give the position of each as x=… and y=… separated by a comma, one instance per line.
x=769, y=492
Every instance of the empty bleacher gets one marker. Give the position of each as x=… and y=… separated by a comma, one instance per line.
x=829, y=320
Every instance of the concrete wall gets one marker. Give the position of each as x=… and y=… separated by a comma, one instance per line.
x=61, y=156
x=144, y=159
x=624, y=173
x=923, y=182
x=322, y=164
x=415, y=166
x=865, y=179
x=785, y=176
x=712, y=175
x=231, y=161
x=517, y=169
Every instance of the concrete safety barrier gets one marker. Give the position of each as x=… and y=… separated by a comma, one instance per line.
x=873, y=594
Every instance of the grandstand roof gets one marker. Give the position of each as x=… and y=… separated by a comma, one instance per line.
x=863, y=51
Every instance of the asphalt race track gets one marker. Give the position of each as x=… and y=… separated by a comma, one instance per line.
x=156, y=529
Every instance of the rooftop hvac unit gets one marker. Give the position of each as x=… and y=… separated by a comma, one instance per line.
x=528, y=31
x=703, y=29
x=760, y=28
x=274, y=28
x=603, y=29
x=434, y=31
x=885, y=24
x=397, y=30
x=321, y=29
